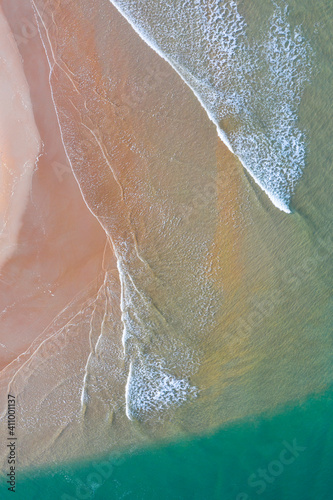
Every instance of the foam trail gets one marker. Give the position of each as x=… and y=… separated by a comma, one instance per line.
x=152, y=386
x=254, y=85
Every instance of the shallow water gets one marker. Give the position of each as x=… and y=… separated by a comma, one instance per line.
x=249, y=74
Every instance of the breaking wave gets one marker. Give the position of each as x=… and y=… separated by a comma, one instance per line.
x=251, y=87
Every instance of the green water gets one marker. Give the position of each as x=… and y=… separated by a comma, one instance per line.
x=211, y=467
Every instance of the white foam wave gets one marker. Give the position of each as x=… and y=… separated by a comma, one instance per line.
x=257, y=84
x=151, y=389
x=160, y=360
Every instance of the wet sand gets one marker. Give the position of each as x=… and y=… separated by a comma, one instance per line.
x=60, y=245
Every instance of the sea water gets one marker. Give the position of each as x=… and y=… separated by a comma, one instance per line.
x=262, y=71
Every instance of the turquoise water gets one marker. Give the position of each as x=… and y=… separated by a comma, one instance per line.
x=219, y=466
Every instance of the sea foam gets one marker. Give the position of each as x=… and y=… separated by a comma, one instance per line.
x=161, y=359
x=151, y=389
x=250, y=88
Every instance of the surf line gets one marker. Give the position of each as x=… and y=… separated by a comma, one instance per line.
x=277, y=202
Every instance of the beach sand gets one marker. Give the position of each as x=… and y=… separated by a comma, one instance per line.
x=59, y=244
